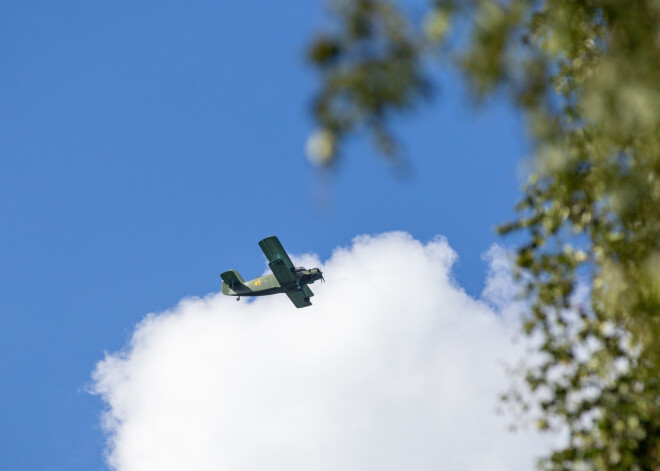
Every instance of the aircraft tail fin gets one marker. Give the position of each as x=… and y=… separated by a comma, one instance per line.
x=231, y=279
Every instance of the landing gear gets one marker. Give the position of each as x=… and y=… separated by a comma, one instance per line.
x=238, y=299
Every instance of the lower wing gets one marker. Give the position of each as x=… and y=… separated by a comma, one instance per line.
x=300, y=298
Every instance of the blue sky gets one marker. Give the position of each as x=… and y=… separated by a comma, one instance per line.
x=145, y=147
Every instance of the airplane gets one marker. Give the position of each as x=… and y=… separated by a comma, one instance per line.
x=285, y=278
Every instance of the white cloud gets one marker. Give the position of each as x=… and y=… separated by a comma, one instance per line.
x=393, y=367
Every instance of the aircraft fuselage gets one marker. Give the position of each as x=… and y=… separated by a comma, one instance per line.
x=268, y=284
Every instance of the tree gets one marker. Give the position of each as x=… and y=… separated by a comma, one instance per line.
x=586, y=74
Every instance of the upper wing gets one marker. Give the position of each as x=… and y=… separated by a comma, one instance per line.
x=282, y=267
x=298, y=298
x=278, y=260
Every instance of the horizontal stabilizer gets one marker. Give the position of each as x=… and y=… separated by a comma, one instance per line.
x=232, y=279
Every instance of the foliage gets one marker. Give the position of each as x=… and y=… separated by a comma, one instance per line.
x=586, y=74
x=371, y=67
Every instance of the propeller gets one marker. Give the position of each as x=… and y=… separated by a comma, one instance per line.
x=321, y=275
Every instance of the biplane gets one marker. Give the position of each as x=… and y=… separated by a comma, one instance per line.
x=286, y=278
